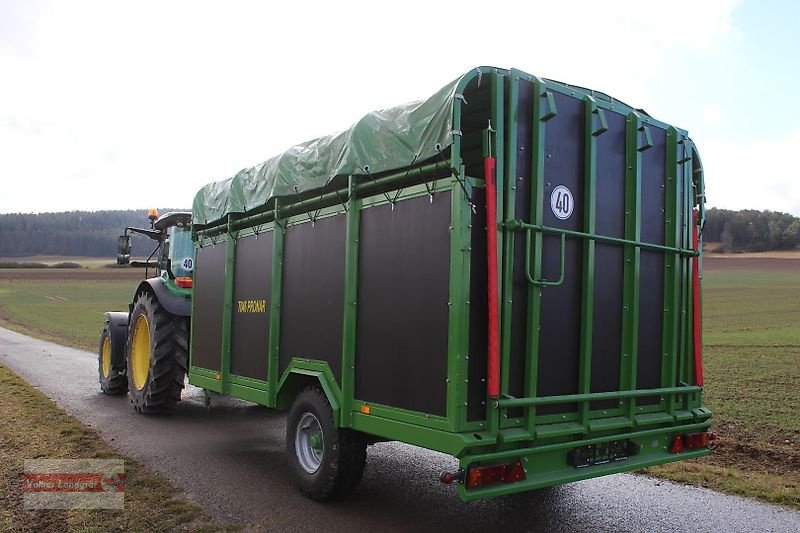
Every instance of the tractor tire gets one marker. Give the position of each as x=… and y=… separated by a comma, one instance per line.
x=156, y=355
x=111, y=366
x=327, y=462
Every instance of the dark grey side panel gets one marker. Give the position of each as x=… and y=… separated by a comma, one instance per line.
x=312, y=304
x=609, y=261
x=560, y=308
x=252, y=298
x=651, y=269
x=402, y=326
x=209, y=292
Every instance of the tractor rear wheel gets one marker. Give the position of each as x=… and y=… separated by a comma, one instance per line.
x=327, y=462
x=156, y=353
x=112, y=371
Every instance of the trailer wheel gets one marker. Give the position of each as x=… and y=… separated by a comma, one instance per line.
x=327, y=462
x=112, y=376
x=156, y=355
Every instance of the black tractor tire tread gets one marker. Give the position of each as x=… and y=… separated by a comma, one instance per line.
x=342, y=470
x=168, y=340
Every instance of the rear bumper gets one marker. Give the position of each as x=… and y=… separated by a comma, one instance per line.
x=548, y=464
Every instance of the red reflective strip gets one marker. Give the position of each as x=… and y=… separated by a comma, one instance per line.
x=493, y=374
x=698, y=344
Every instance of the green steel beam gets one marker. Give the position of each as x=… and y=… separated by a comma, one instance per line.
x=597, y=396
x=351, y=304
x=227, y=310
x=543, y=110
x=591, y=131
x=519, y=225
x=444, y=441
x=630, y=298
x=429, y=171
x=669, y=336
x=458, y=301
x=566, y=445
x=510, y=184
x=278, y=241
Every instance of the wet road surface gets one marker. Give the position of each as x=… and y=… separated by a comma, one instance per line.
x=231, y=461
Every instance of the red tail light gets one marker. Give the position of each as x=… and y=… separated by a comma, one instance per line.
x=481, y=476
x=677, y=445
x=184, y=283
x=696, y=440
x=692, y=441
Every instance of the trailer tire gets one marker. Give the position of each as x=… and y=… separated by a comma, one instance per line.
x=112, y=377
x=156, y=355
x=327, y=462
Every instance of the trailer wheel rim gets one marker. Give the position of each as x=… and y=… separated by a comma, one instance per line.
x=105, y=357
x=140, y=352
x=309, y=443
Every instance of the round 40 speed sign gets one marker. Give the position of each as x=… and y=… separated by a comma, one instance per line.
x=561, y=202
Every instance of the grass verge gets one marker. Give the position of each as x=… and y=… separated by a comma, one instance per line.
x=32, y=426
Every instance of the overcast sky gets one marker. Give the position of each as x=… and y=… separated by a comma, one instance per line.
x=112, y=105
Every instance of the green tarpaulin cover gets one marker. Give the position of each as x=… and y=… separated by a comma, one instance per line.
x=384, y=140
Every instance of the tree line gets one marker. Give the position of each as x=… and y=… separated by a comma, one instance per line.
x=72, y=233
x=94, y=233
x=749, y=230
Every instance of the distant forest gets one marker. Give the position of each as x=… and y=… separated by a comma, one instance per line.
x=73, y=233
x=751, y=231
x=94, y=234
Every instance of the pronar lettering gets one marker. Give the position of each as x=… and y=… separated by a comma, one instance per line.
x=251, y=306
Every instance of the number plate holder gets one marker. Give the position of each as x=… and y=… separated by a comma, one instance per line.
x=605, y=452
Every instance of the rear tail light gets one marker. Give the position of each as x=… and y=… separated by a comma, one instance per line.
x=482, y=476
x=184, y=283
x=692, y=441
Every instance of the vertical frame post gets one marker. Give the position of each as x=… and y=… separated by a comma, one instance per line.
x=351, y=305
x=672, y=265
x=507, y=269
x=227, y=311
x=630, y=298
x=594, y=126
x=542, y=111
x=278, y=233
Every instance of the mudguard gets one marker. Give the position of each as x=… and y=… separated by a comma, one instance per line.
x=118, y=331
x=174, y=304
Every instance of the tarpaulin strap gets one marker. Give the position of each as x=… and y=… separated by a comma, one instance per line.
x=372, y=179
x=696, y=324
x=493, y=372
x=458, y=179
x=410, y=166
x=299, y=199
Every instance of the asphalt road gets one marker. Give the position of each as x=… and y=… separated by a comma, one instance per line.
x=231, y=461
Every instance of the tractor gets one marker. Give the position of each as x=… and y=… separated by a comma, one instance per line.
x=144, y=352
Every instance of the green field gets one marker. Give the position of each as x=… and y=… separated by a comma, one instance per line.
x=751, y=327
x=751, y=336
x=68, y=311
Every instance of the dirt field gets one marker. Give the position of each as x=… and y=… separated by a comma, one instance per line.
x=751, y=262
x=73, y=274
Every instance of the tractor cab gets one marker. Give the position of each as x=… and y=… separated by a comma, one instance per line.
x=174, y=253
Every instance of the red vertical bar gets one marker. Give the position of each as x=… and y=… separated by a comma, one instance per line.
x=698, y=344
x=493, y=374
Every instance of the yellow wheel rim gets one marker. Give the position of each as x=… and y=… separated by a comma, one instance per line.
x=140, y=352
x=106, y=357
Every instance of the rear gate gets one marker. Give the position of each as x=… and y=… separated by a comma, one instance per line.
x=596, y=260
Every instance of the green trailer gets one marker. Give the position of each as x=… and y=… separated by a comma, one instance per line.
x=507, y=272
